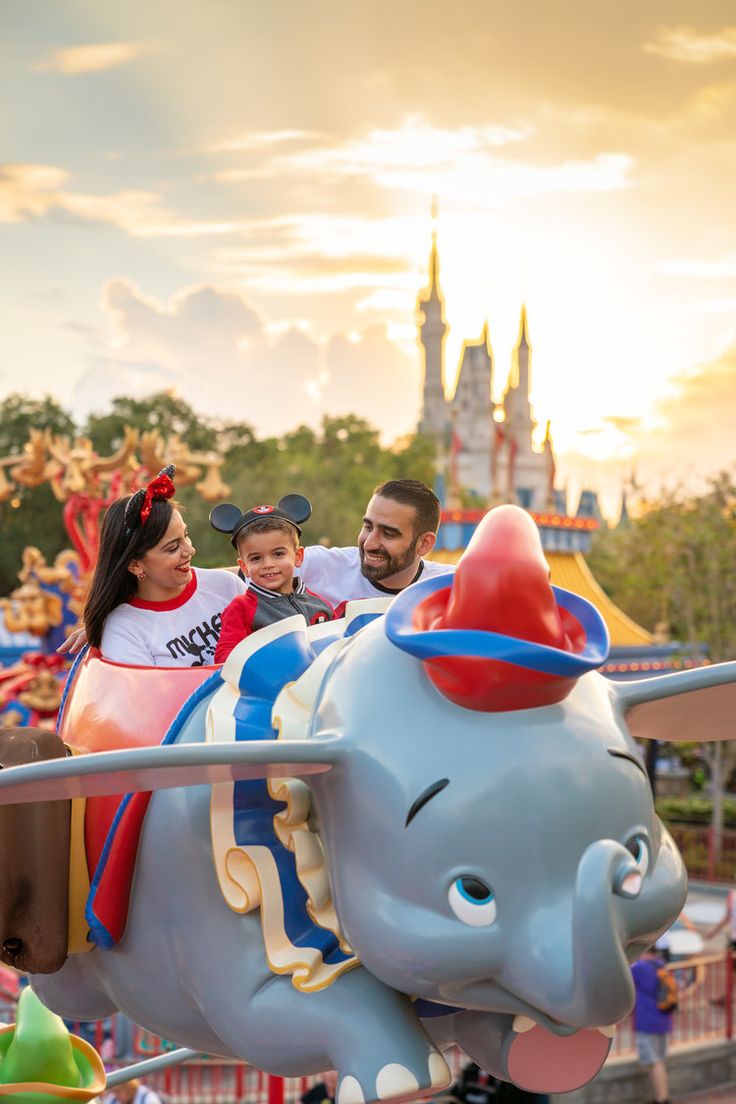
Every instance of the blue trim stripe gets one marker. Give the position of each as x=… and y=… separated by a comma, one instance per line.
x=267, y=670
x=478, y=644
x=321, y=642
x=68, y=685
x=285, y=659
x=360, y=622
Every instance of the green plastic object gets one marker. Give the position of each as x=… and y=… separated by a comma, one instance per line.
x=39, y=1049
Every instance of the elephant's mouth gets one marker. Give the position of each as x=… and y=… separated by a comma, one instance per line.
x=539, y=1061
x=535, y=1051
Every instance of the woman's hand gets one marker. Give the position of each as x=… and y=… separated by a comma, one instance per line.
x=74, y=642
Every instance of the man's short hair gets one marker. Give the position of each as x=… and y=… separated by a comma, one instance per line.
x=411, y=492
x=266, y=525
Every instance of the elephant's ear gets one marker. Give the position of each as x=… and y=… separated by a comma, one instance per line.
x=685, y=707
x=158, y=768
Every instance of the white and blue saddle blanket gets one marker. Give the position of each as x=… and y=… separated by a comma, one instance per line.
x=266, y=855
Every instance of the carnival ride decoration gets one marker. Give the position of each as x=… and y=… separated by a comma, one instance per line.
x=87, y=483
x=366, y=842
x=48, y=603
x=41, y=1063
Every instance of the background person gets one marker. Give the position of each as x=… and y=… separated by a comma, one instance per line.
x=322, y=1092
x=651, y=1025
x=728, y=920
x=147, y=605
x=133, y=1092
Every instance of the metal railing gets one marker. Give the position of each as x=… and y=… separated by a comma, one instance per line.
x=703, y=857
x=705, y=1010
x=704, y=1015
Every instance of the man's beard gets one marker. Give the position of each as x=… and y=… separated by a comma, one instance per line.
x=390, y=566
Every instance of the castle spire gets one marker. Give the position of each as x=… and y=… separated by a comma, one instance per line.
x=523, y=338
x=434, y=271
x=523, y=349
x=432, y=331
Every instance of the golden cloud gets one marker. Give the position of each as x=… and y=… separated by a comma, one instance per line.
x=29, y=191
x=149, y=344
x=97, y=57
x=684, y=440
x=693, y=47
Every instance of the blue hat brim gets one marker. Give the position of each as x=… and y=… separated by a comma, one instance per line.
x=478, y=644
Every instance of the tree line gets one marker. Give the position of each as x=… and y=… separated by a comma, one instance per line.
x=336, y=467
x=672, y=563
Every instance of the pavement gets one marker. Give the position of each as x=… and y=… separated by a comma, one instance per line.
x=726, y=1094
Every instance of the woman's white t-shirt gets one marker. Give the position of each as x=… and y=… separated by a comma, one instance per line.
x=182, y=632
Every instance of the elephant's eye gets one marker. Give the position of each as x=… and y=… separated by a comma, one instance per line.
x=639, y=848
x=472, y=901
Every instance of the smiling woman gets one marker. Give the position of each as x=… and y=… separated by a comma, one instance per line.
x=147, y=605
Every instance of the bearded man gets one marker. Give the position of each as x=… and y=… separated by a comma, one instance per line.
x=399, y=529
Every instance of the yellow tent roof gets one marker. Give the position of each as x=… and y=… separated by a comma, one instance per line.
x=571, y=572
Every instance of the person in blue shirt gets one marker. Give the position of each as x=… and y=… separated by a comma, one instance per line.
x=651, y=1025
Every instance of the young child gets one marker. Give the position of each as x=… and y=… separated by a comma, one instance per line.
x=267, y=542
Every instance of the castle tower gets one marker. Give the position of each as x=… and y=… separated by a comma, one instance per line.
x=472, y=414
x=517, y=404
x=432, y=330
x=521, y=474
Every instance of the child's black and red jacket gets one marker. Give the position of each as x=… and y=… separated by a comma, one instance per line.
x=259, y=607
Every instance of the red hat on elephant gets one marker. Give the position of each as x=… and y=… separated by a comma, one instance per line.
x=498, y=635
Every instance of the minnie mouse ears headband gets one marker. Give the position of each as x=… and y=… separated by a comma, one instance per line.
x=228, y=518
x=139, y=505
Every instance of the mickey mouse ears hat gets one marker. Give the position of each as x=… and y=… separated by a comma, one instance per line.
x=228, y=518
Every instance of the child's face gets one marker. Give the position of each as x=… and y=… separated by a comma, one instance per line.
x=270, y=559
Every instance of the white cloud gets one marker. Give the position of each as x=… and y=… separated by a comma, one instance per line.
x=693, y=47
x=260, y=139
x=28, y=191
x=223, y=356
x=460, y=164
x=723, y=268
x=95, y=57
x=415, y=145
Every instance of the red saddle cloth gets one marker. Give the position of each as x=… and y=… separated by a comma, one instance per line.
x=110, y=706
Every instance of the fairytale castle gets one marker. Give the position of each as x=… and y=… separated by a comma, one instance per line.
x=484, y=448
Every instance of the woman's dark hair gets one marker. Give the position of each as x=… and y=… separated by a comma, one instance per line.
x=112, y=583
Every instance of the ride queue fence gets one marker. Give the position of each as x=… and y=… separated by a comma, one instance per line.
x=705, y=1015
x=704, y=858
x=705, y=1010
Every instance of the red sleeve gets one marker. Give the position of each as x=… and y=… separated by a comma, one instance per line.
x=328, y=604
x=237, y=623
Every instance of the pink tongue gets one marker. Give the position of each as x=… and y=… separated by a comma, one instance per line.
x=542, y=1062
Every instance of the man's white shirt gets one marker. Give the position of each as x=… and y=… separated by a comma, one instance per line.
x=334, y=574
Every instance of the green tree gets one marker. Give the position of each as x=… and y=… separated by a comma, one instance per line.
x=30, y=515
x=163, y=411
x=674, y=565
x=19, y=414
x=336, y=467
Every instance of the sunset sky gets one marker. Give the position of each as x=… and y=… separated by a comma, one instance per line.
x=232, y=199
